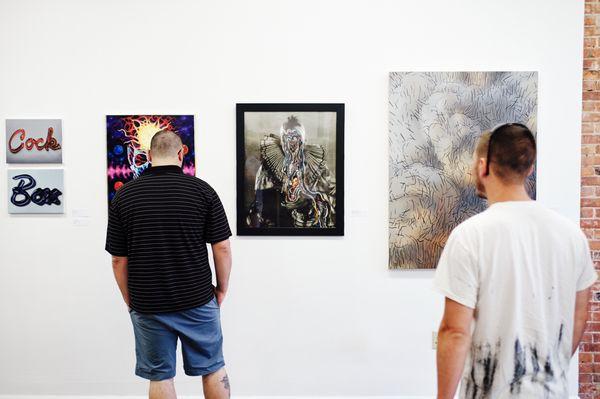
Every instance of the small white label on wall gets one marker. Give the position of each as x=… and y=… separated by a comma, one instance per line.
x=81, y=217
x=359, y=213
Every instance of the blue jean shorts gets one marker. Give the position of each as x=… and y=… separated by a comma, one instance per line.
x=156, y=335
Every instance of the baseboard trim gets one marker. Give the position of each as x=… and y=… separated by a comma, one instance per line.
x=196, y=397
x=234, y=397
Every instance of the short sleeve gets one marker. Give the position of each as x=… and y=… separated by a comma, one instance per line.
x=116, y=236
x=456, y=276
x=217, y=227
x=587, y=273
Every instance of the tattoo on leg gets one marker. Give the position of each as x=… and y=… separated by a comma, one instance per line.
x=225, y=382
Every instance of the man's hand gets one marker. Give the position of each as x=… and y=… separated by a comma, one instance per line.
x=220, y=295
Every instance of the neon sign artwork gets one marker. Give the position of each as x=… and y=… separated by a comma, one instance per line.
x=41, y=196
x=19, y=141
x=35, y=190
x=33, y=141
x=128, y=141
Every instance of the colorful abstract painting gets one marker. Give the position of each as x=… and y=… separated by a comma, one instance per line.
x=435, y=121
x=128, y=142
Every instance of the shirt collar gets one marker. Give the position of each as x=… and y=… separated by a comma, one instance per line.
x=161, y=170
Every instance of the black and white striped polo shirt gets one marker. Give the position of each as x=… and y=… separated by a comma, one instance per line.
x=162, y=222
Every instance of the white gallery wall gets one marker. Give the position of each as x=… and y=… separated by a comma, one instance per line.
x=305, y=316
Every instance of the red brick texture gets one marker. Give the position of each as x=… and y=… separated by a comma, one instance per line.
x=589, y=351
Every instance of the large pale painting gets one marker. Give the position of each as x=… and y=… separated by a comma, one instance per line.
x=435, y=120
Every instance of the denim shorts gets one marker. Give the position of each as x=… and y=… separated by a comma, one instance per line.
x=156, y=335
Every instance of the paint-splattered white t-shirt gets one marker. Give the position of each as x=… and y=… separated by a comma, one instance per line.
x=519, y=265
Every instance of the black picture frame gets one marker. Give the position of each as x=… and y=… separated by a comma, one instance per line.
x=242, y=228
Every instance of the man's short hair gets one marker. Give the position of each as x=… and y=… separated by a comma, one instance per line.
x=512, y=154
x=165, y=144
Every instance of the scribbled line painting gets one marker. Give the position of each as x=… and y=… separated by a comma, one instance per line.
x=290, y=169
x=33, y=141
x=128, y=142
x=435, y=119
x=35, y=190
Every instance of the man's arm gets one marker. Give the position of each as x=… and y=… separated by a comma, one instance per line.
x=222, y=258
x=119, y=264
x=454, y=340
x=581, y=317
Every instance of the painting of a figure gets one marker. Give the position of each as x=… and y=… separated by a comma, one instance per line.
x=128, y=142
x=435, y=119
x=290, y=169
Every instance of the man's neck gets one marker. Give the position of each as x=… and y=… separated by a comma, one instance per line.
x=156, y=163
x=504, y=193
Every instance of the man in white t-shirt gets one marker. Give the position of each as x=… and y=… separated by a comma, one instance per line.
x=517, y=280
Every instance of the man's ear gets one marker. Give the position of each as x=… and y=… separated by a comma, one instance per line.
x=531, y=170
x=149, y=155
x=482, y=166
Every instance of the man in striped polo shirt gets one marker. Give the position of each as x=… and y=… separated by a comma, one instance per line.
x=159, y=226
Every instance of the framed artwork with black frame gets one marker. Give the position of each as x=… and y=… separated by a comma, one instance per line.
x=290, y=169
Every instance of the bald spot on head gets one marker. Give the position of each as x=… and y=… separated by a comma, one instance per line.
x=165, y=145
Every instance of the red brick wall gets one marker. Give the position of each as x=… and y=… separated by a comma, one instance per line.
x=589, y=355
